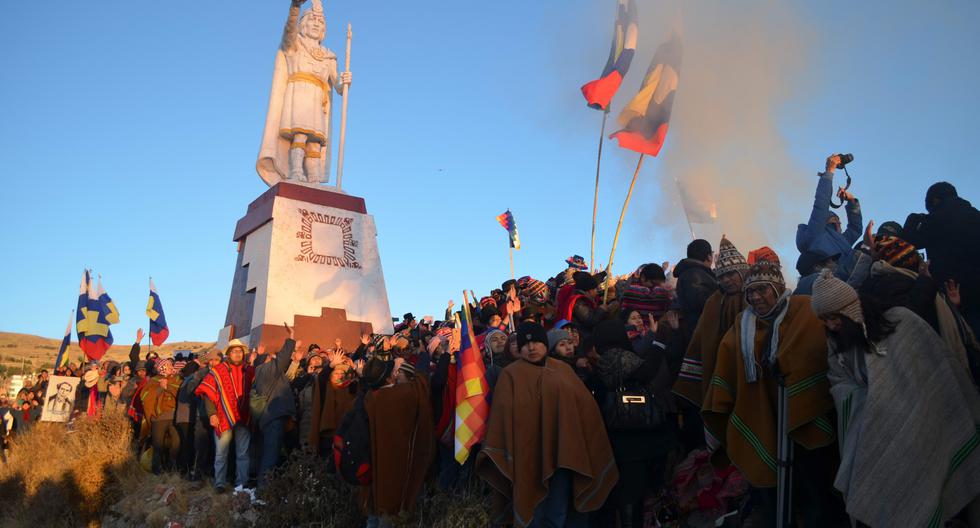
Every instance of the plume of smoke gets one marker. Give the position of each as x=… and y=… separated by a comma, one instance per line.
x=742, y=61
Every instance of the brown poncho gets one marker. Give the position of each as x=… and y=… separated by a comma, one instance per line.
x=544, y=419
x=742, y=415
x=720, y=312
x=330, y=404
x=402, y=446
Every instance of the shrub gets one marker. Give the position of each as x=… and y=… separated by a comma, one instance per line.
x=60, y=477
x=303, y=493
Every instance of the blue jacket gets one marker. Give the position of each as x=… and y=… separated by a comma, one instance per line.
x=818, y=236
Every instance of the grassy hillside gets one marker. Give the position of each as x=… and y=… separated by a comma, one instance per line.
x=33, y=353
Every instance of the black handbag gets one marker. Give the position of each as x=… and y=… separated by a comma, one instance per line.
x=632, y=407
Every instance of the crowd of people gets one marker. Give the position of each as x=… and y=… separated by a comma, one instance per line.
x=627, y=401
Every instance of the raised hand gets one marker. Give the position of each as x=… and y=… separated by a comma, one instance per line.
x=832, y=162
x=924, y=269
x=869, y=236
x=672, y=320
x=139, y=335
x=953, y=292
x=652, y=322
x=289, y=331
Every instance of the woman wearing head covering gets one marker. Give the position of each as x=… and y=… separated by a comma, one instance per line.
x=640, y=455
x=908, y=415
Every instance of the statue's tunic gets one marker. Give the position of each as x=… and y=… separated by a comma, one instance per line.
x=307, y=101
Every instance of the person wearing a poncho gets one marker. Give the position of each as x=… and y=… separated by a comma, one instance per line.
x=908, y=415
x=546, y=454
x=776, y=337
x=720, y=312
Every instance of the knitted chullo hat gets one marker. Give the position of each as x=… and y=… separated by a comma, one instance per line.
x=533, y=289
x=763, y=253
x=654, y=301
x=488, y=301
x=765, y=272
x=407, y=368
x=832, y=296
x=897, y=252
x=729, y=259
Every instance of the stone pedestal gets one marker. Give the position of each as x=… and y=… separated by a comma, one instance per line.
x=307, y=256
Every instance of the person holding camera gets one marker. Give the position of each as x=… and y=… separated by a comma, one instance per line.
x=822, y=234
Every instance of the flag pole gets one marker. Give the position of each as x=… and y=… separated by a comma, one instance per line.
x=149, y=341
x=512, y=262
x=343, y=116
x=619, y=226
x=687, y=214
x=595, y=199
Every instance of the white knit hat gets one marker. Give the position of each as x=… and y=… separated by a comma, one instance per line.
x=834, y=296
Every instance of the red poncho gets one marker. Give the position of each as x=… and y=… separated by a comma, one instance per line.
x=227, y=386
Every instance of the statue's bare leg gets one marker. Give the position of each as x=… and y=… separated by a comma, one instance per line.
x=313, y=163
x=297, y=152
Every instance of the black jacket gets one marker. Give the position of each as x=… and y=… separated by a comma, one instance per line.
x=949, y=235
x=695, y=283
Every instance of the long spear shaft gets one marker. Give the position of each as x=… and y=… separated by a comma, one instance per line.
x=595, y=199
x=343, y=116
x=619, y=226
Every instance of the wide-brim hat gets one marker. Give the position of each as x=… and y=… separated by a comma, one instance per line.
x=235, y=343
x=577, y=262
x=90, y=378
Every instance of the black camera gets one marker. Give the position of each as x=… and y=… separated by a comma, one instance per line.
x=844, y=160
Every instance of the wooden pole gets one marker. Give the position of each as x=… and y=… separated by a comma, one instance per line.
x=687, y=215
x=343, y=116
x=619, y=226
x=595, y=199
x=511, y=262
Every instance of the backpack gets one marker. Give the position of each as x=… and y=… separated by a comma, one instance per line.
x=352, y=445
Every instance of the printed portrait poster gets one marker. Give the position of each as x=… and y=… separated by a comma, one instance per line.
x=60, y=399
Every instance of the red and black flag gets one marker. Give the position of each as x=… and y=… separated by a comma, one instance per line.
x=599, y=93
x=646, y=118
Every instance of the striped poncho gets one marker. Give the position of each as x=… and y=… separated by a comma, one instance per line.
x=720, y=312
x=910, y=428
x=741, y=416
x=227, y=387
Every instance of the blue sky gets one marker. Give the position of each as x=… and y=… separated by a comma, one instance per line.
x=129, y=132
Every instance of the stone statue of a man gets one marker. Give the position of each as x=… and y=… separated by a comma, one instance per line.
x=296, y=140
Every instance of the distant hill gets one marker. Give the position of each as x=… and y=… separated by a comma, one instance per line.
x=34, y=353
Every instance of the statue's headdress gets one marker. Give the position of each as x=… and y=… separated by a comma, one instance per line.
x=316, y=9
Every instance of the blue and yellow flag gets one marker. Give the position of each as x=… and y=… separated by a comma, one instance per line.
x=599, y=93
x=158, y=323
x=506, y=220
x=92, y=321
x=646, y=118
x=62, y=358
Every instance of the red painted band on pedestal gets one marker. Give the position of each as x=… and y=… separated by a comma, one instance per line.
x=260, y=210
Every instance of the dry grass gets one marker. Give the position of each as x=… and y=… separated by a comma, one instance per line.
x=56, y=477
x=90, y=477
